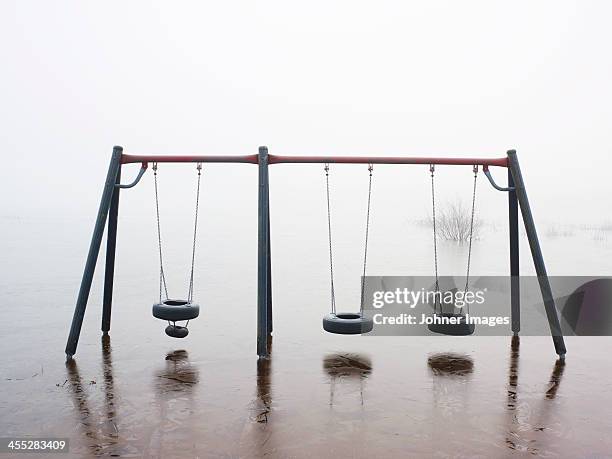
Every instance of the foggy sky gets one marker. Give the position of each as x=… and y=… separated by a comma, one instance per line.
x=385, y=78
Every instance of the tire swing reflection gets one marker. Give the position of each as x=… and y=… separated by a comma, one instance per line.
x=346, y=368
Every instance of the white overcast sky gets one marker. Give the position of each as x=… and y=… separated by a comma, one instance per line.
x=316, y=77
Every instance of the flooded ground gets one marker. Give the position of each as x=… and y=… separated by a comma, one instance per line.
x=140, y=393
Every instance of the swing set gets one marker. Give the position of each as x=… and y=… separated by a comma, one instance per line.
x=175, y=310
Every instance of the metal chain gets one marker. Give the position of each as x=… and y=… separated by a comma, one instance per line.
x=365, y=252
x=331, y=259
x=195, y=233
x=432, y=169
x=467, y=275
x=162, y=276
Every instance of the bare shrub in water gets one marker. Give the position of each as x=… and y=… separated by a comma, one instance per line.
x=453, y=222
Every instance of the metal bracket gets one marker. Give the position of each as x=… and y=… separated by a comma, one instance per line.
x=485, y=169
x=141, y=172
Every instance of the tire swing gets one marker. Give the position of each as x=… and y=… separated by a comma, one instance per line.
x=175, y=310
x=347, y=323
x=458, y=326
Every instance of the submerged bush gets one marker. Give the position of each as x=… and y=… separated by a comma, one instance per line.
x=453, y=222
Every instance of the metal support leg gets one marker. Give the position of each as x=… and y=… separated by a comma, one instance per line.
x=111, y=243
x=263, y=255
x=269, y=272
x=94, y=249
x=515, y=292
x=536, y=253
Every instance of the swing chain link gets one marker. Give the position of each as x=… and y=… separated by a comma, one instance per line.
x=467, y=275
x=367, y=231
x=331, y=259
x=432, y=169
x=163, y=288
x=195, y=233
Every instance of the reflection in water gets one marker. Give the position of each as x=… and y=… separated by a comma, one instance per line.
x=102, y=435
x=450, y=364
x=526, y=423
x=256, y=438
x=513, y=372
x=80, y=399
x=452, y=373
x=347, y=365
x=344, y=368
x=109, y=389
x=555, y=379
x=263, y=402
x=174, y=386
x=513, y=437
x=178, y=375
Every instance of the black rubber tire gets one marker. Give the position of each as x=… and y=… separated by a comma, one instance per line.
x=347, y=323
x=175, y=310
x=174, y=331
x=460, y=329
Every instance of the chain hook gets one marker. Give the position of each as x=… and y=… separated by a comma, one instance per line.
x=475, y=169
x=199, y=167
x=155, y=168
x=432, y=168
x=326, y=168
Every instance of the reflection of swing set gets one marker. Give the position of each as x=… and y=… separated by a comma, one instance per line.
x=176, y=310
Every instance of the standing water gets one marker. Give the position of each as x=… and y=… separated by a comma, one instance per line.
x=140, y=393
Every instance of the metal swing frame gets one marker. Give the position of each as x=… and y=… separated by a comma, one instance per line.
x=109, y=210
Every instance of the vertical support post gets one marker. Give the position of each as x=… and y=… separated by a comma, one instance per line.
x=515, y=292
x=94, y=249
x=536, y=253
x=263, y=255
x=269, y=272
x=111, y=244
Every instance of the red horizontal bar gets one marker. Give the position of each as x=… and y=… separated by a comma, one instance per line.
x=279, y=159
x=276, y=159
x=127, y=159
